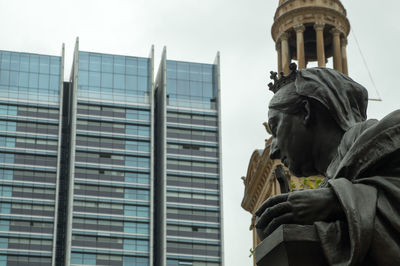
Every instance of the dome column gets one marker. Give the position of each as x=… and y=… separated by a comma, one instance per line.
x=319, y=31
x=300, y=45
x=285, y=52
x=337, y=55
x=344, y=56
x=279, y=52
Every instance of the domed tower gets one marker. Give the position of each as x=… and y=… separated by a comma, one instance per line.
x=311, y=30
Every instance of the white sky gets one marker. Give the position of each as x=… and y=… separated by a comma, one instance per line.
x=195, y=30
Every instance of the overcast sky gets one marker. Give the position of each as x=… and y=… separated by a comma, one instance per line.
x=194, y=30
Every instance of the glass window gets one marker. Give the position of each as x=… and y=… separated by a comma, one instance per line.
x=119, y=64
x=183, y=70
x=119, y=81
x=34, y=63
x=4, y=77
x=54, y=66
x=94, y=62
x=131, y=82
x=44, y=65
x=3, y=242
x=14, y=78
x=143, y=66
x=43, y=81
x=83, y=78
x=183, y=88
x=14, y=62
x=24, y=62
x=107, y=63
x=94, y=79
x=83, y=61
x=33, y=80
x=23, y=79
x=106, y=80
x=54, y=82
x=131, y=66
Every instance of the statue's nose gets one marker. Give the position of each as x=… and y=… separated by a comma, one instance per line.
x=274, y=152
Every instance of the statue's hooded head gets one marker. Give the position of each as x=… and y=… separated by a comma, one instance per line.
x=345, y=99
x=341, y=98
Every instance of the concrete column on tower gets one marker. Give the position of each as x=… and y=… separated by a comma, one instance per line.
x=344, y=56
x=285, y=52
x=299, y=28
x=319, y=31
x=279, y=52
x=337, y=55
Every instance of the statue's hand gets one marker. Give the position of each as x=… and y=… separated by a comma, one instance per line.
x=300, y=207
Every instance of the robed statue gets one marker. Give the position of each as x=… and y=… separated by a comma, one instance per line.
x=317, y=117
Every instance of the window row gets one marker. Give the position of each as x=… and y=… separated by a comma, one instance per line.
x=12, y=126
x=189, y=71
x=183, y=228
x=189, y=179
x=192, y=163
x=191, y=116
x=27, y=110
x=112, y=81
x=192, y=147
x=137, y=194
x=128, y=227
x=102, y=259
x=179, y=88
x=27, y=175
x=29, y=94
x=4, y=241
x=113, y=143
x=192, y=212
x=10, y=158
x=114, y=111
x=7, y=191
x=192, y=195
x=109, y=158
x=102, y=174
x=114, y=64
x=192, y=132
x=30, y=80
x=128, y=210
x=180, y=245
x=114, y=127
x=114, y=242
x=11, y=141
x=171, y=262
x=30, y=62
x=6, y=207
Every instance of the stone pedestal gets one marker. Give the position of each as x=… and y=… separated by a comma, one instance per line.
x=291, y=245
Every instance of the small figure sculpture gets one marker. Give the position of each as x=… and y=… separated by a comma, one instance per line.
x=318, y=120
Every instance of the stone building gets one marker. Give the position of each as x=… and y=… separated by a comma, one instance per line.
x=303, y=31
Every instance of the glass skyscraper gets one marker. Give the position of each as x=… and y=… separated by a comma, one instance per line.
x=109, y=167
x=188, y=171
x=30, y=96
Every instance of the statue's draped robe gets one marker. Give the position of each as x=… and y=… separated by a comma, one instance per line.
x=365, y=176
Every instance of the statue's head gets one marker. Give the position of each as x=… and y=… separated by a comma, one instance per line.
x=304, y=105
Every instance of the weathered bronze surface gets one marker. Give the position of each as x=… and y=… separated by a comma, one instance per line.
x=319, y=126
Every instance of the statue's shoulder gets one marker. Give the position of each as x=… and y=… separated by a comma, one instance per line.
x=366, y=143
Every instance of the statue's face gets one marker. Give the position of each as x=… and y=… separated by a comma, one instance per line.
x=292, y=142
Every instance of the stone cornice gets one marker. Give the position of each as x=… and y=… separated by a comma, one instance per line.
x=289, y=5
x=309, y=15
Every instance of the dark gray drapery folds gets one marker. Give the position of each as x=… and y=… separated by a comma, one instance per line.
x=365, y=176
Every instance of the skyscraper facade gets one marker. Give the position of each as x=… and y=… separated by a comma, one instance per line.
x=30, y=96
x=105, y=168
x=188, y=174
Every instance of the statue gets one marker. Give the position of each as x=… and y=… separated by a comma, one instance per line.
x=317, y=117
